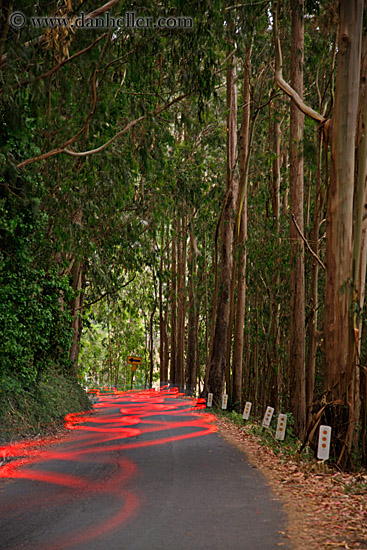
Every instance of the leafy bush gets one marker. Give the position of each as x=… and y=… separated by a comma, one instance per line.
x=35, y=330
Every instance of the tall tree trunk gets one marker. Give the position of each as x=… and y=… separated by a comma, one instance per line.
x=214, y=308
x=275, y=191
x=275, y=199
x=241, y=234
x=162, y=319
x=151, y=332
x=76, y=306
x=339, y=338
x=181, y=310
x=166, y=338
x=162, y=374
x=109, y=370
x=218, y=356
x=231, y=318
x=297, y=302
x=206, y=313
x=313, y=337
x=192, y=316
x=360, y=249
x=173, y=355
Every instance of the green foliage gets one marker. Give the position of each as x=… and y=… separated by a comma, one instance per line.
x=35, y=330
x=34, y=322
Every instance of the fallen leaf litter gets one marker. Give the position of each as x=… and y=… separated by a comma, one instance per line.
x=325, y=510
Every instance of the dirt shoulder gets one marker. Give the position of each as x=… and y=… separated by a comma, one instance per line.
x=326, y=510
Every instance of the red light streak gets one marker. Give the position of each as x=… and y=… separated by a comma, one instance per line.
x=121, y=416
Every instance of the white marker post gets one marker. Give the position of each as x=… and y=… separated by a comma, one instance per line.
x=209, y=402
x=281, y=426
x=224, y=401
x=267, y=417
x=247, y=410
x=323, y=450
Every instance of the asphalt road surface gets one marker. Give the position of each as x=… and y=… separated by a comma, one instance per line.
x=145, y=471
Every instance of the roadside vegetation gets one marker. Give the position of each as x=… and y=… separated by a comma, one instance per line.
x=39, y=410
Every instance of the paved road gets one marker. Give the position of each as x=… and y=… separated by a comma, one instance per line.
x=145, y=472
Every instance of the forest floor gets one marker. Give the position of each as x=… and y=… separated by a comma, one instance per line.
x=326, y=509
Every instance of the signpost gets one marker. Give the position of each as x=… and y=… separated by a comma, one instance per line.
x=134, y=363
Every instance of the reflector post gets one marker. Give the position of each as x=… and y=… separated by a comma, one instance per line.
x=247, y=410
x=224, y=401
x=323, y=450
x=267, y=417
x=281, y=426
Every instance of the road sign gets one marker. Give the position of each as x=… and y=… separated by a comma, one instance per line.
x=133, y=360
x=210, y=400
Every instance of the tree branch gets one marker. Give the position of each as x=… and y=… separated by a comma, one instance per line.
x=130, y=125
x=63, y=148
x=124, y=131
x=283, y=85
x=307, y=244
x=107, y=294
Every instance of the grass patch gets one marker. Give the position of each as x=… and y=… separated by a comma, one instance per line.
x=29, y=412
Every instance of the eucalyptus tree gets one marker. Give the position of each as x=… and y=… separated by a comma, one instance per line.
x=246, y=135
x=341, y=380
x=222, y=320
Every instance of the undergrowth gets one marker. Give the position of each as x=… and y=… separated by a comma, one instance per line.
x=32, y=411
x=288, y=448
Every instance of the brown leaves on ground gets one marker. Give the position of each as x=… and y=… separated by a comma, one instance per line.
x=326, y=509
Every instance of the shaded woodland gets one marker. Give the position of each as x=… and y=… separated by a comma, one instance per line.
x=195, y=196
